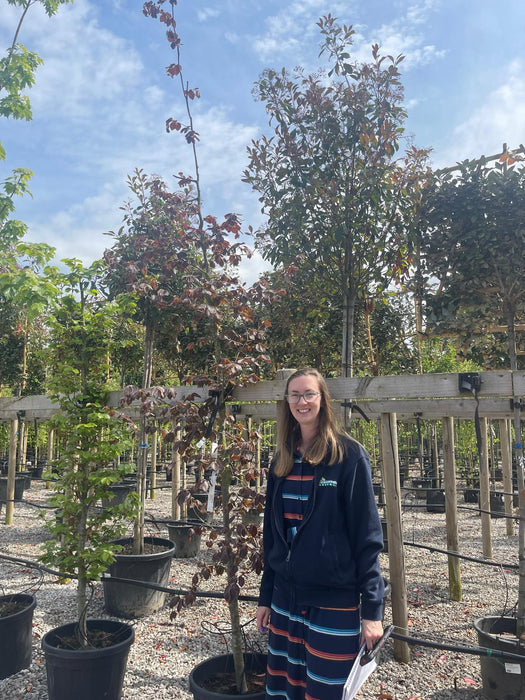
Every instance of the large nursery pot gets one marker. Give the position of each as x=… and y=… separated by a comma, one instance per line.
x=207, y=679
x=502, y=679
x=129, y=600
x=186, y=536
x=16, y=632
x=20, y=485
x=86, y=674
x=435, y=501
x=497, y=504
x=199, y=511
x=119, y=493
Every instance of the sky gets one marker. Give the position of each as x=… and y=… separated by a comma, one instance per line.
x=102, y=96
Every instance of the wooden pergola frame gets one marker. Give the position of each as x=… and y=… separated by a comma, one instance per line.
x=386, y=400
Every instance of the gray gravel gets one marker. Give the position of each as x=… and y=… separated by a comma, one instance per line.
x=166, y=650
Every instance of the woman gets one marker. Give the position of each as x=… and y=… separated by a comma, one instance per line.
x=321, y=593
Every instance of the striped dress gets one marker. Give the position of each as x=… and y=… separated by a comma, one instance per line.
x=310, y=649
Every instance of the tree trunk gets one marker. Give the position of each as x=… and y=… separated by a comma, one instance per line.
x=233, y=604
x=142, y=455
x=347, y=350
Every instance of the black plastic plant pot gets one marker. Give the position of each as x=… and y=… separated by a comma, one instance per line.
x=134, y=601
x=435, y=501
x=497, y=504
x=185, y=537
x=16, y=634
x=86, y=674
x=503, y=679
x=202, y=677
x=119, y=493
x=20, y=484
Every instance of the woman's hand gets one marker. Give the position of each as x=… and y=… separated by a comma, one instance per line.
x=371, y=632
x=263, y=618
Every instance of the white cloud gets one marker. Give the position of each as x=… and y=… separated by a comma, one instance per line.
x=286, y=31
x=498, y=119
x=206, y=12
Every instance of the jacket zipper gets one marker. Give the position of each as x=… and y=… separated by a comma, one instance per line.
x=288, y=556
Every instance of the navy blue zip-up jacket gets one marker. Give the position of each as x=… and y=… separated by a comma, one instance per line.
x=333, y=559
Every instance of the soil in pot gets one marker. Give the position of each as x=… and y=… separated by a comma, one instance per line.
x=129, y=600
x=16, y=632
x=86, y=674
x=213, y=679
x=502, y=679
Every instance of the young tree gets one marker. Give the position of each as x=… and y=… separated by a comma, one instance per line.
x=82, y=329
x=337, y=196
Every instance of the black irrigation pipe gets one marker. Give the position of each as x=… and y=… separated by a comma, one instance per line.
x=448, y=552
x=118, y=579
x=464, y=649
x=477, y=651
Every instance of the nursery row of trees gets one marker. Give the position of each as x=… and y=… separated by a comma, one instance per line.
x=377, y=259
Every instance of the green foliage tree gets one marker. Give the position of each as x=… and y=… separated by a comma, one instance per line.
x=338, y=197
x=17, y=75
x=473, y=251
x=83, y=324
x=28, y=289
x=473, y=261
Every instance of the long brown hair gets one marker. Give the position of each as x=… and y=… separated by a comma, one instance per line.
x=328, y=443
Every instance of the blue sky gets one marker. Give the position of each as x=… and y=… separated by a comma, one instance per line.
x=102, y=97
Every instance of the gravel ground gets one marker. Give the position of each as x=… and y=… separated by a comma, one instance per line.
x=165, y=651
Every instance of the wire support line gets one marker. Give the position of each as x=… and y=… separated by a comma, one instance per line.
x=449, y=552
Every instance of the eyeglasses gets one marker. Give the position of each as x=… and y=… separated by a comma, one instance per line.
x=307, y=396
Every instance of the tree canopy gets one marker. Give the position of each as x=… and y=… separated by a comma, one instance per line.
x=338, y=197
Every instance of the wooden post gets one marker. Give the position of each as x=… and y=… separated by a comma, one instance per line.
x=11, y=472
x=22, y=446
x=506, y=466
x=50, y=451
x=437, y=482
x=175, y=476
x=451, y=508
x=484, y=492
x=396, y=556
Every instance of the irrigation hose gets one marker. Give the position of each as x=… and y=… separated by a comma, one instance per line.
x=414, y=641
x=464, y=649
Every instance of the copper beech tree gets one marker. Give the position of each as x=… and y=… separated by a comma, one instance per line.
x=181, y=267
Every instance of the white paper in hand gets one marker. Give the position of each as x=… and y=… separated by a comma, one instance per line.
x=358, y=675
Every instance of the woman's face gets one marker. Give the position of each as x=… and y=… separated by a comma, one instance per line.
x=306, y=413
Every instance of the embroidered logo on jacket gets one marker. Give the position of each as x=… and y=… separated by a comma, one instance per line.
x=327, y=482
